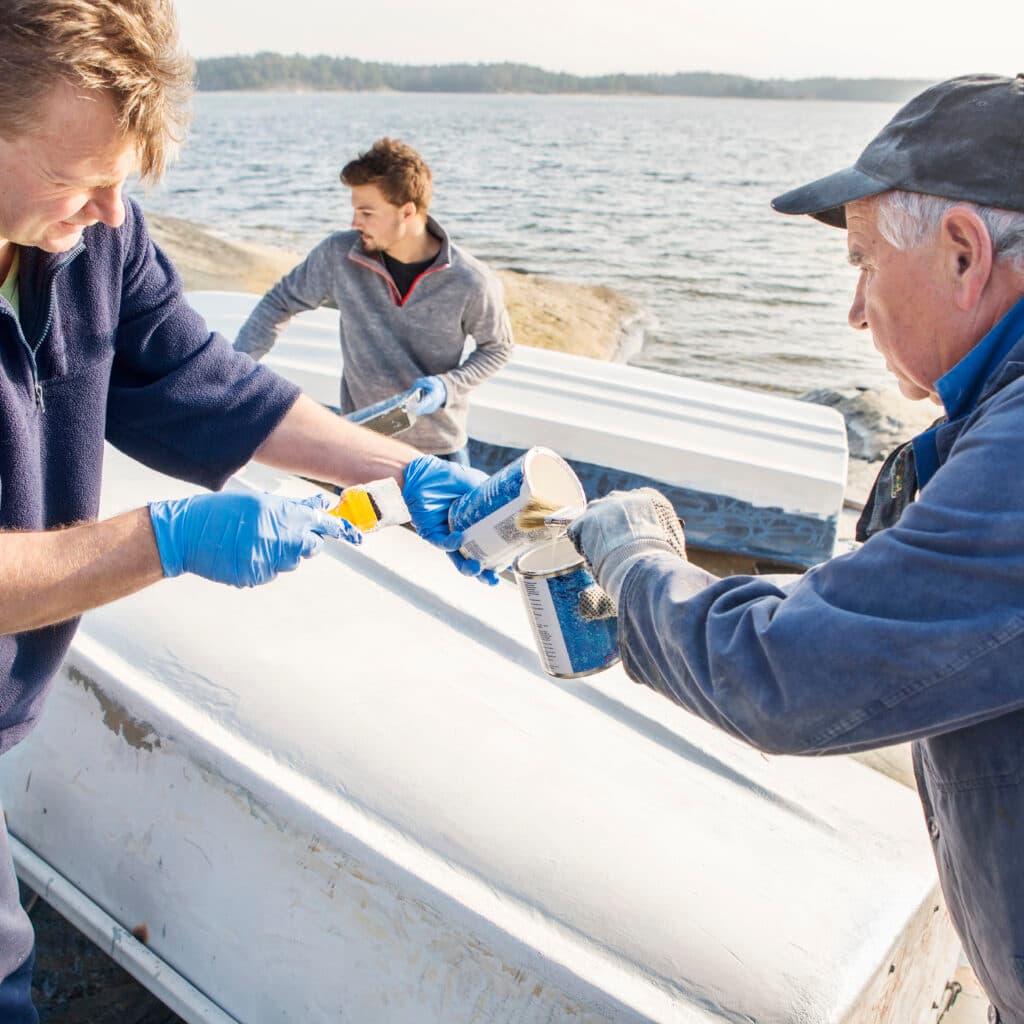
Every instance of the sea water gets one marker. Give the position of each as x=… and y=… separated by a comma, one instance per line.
x=665, y=199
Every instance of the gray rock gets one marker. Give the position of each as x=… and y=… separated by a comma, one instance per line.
x=877, y=419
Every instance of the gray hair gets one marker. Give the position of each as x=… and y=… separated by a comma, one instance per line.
x=907, y=219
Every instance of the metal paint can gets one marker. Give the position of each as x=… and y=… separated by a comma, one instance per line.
x=487, y=516
x=556, y=586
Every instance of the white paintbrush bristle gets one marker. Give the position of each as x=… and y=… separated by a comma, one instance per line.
x=538, y=513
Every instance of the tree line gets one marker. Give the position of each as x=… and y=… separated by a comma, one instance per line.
x=276, y=71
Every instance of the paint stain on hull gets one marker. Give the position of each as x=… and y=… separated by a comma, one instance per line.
x=116, y=717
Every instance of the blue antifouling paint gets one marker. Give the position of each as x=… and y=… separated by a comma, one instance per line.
x=552, y=579
x=591, y=645
x=494, y=493
x=488, y=516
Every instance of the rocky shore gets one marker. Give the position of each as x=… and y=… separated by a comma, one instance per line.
x=585, y=319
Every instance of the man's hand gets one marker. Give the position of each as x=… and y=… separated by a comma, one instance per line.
x=431, y=485
x=242, y=539
x=434, y=395
x=613, y=530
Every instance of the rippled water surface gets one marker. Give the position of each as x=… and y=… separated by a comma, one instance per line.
x=664, y=199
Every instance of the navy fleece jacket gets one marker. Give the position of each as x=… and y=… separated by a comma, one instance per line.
x=107, y=347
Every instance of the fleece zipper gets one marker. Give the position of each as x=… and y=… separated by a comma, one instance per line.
x=381, y=270
x=40, y=336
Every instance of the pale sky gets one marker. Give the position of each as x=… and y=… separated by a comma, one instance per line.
x=926, y=39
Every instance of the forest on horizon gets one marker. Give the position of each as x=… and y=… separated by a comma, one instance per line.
x=281, y=72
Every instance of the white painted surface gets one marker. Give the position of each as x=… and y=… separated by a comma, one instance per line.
x=353, y=795
x=121, y=946
x=770, y=451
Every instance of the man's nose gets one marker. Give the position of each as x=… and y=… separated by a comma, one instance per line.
x=857, y=316
x=107, y=206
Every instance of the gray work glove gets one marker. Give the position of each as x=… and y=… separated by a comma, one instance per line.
x=612, y=531
x=594, y=604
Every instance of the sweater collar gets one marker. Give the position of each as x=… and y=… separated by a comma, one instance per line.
x=442, y=259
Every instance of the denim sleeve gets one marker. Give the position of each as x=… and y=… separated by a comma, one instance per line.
x=917, y=633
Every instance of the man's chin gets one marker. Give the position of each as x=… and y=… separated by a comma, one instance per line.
x=915, y=393
x=61, y=238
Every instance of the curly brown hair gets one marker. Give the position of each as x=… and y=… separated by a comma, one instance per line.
x=127, y=49
x=396, y=169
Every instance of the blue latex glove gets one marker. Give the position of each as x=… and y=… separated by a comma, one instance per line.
x=612, y=531
x=242, y=539
x=431, y=485
x=434, y=394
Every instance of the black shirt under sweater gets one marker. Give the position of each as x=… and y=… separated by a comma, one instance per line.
x=403, y=274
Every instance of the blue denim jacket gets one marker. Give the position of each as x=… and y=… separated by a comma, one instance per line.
x=918, y=635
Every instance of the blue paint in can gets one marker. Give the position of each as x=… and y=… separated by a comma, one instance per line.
x=553, y=579
x=487, y=516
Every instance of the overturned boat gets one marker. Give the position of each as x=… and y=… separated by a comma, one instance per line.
x=354, y=795
x=753, y=475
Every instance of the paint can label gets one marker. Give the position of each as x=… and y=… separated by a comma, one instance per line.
x=487, y=517
x=557, y=588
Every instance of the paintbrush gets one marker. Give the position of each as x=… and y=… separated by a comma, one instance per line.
x=539, y=512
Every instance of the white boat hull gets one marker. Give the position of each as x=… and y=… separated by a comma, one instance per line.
x=353, y=795
x=751, y=474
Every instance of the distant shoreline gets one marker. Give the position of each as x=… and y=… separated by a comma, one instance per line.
x=309, y=90
x=269, y=72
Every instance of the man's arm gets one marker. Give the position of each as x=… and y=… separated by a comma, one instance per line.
x=307, y=286
x=486, y=319
x=241, y=539
x=916, y=633
x=48, y=577
x=316, y=443
x=54, y=575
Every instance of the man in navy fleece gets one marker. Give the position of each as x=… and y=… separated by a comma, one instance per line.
x=96, y=342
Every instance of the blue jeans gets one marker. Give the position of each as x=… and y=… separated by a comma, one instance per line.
x=17, y=944
x=461, y=456
x=16, y=995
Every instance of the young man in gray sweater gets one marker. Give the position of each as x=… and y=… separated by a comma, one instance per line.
x=407, y=299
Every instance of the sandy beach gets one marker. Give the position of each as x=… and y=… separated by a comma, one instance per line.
x=561, y=315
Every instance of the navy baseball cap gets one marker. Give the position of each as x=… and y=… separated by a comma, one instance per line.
x=960, y=139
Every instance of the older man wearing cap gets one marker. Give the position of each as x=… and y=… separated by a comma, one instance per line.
x=919, y=633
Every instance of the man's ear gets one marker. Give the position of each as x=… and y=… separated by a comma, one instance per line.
x=408, y=210
x=967, y=250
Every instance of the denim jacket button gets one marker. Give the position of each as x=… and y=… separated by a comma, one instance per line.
x=933, y=828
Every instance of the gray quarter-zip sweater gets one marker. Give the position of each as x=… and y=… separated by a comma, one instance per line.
x=387, y=341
